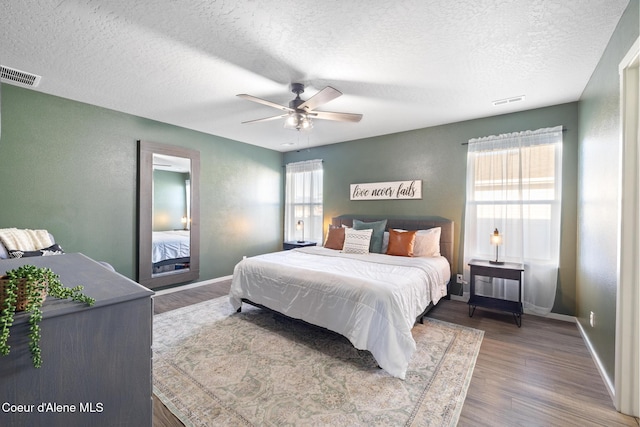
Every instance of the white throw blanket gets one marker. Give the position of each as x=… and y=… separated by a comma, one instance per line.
x=25, y=240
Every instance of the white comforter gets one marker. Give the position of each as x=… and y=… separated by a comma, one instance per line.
x=372, y=299
x=170, y=245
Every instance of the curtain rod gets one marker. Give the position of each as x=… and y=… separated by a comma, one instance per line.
x=285, y=165
x=467, y=143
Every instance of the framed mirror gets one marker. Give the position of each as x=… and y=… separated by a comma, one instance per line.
x=168, y=214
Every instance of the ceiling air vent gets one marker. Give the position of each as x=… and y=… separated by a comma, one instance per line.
x=508, y=100
x=22, y=78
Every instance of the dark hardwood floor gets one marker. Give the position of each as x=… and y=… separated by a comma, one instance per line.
x=183, y=298
x=538, y=375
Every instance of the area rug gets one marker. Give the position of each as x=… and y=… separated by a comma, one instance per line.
x=215, y=367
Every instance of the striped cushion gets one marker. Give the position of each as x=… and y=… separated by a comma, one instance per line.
x=356, y=241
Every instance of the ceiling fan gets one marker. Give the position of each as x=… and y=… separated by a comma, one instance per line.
x=299, y=113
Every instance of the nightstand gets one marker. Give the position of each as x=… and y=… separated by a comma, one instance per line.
x=507, y=270
x=296, y=244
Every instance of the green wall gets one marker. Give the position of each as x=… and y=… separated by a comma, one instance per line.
x=71, y=168
x=438, y=157
x=599, y=172
x=169, y=200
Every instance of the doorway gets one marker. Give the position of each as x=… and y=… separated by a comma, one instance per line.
x=627, y=359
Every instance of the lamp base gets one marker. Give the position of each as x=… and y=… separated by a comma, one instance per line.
x=496, y=262
x=301, y=241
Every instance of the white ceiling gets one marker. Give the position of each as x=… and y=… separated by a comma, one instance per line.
x=404, y=64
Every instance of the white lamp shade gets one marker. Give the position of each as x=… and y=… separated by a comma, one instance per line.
x=496, y=238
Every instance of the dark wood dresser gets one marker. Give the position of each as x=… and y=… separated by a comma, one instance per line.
x=96, y=361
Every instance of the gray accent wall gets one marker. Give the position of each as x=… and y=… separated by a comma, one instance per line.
x=437, y=156
x=70, y=168
x=598, y=193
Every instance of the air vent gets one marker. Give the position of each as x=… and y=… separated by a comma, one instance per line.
x=22, y=78
x=508, y=100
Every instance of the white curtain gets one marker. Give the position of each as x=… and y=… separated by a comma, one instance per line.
x=303, y=201
x=514, y=184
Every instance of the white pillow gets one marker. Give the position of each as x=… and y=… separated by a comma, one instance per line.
x=356, y=241
x=427, y=243
x=385, y=242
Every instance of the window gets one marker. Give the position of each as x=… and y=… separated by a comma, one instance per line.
x=303, y=201
x=514, y=184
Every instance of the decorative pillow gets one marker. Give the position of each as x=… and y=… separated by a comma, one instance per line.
x=427, y=243
x=375, y=245
x=335, y=238
x=356, y=241
x=54, y=249
x=385, y=242
x=401, y=242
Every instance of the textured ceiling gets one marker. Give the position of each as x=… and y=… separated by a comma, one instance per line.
x=403, y=64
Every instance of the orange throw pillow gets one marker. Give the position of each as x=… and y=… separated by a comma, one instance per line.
x=335, y=238
x=401, y=242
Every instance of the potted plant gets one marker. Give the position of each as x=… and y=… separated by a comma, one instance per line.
x=25, y=289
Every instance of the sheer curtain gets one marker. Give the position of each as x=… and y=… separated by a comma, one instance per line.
x=514, y=184
x=303, y=200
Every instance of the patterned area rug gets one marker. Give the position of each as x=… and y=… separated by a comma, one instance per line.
x=215, y=367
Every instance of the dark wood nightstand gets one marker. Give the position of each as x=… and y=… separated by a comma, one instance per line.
x=296, y=244
x=507, y=270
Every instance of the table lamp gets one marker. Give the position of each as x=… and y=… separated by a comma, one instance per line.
x=300, y=226
x=496, y=239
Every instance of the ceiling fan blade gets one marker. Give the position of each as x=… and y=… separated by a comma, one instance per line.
x=325, y=95
x=266, y=119
x=264, y=102
x=341, y=117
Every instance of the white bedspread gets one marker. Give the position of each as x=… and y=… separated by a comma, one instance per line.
x=170, y=245
x=372, y=299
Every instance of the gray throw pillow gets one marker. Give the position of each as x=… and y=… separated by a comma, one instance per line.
x=378, y=227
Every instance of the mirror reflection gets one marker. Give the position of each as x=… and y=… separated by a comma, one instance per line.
x=171, y=214
x=168, y=217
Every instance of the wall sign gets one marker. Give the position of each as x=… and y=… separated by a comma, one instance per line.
x=387, y=190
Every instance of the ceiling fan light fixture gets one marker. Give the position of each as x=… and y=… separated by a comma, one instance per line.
x=306, y=122
x=298, y=121
x=299, y=113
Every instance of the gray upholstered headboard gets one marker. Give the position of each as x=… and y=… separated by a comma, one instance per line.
x=409, y=223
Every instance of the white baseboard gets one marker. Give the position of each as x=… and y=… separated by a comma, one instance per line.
x=607, y=382
x=192, y=285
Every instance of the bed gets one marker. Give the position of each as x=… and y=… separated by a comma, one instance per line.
x=170, y=250
x=372, y=299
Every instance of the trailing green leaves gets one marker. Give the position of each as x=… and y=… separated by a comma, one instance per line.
x=38, y=282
